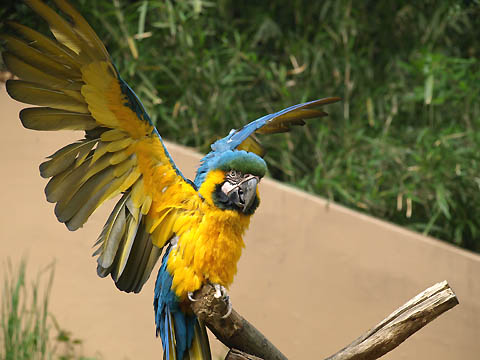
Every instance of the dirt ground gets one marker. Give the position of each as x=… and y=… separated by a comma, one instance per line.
x=312, y=278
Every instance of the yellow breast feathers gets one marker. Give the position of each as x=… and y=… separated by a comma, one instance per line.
x=209, y=243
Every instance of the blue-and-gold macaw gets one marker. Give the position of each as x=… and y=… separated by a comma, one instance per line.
x=72, y=79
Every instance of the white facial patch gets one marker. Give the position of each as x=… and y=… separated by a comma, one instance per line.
x=235, y=179
x=228, y=187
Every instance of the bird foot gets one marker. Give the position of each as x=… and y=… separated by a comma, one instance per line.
x=229, y=310
x=221, y=292
x=190, y=297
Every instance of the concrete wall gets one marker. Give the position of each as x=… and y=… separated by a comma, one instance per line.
x=312, y=278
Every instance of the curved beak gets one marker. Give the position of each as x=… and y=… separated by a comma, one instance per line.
x=243, y=195
x=249, y=190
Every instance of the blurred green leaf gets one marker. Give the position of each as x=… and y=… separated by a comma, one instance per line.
x=408, y=73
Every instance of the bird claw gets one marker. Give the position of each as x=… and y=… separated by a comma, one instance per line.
x=229, y=309
x=190, y=297
x=221, y=292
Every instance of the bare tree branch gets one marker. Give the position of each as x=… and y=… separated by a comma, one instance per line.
x=237, y=333
x=401, y=324
x=235, y=354
x=234, y=331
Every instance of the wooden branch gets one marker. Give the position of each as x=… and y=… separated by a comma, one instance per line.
x=234, y=331
x=401, y=324
x=237, y=333
x=235, y=354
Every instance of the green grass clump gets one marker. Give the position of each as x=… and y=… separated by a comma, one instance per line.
x=404, y=143
x=26, y=323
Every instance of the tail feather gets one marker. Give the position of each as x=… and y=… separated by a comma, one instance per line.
x=183, y=336
x=169, y=352
x=200, y=348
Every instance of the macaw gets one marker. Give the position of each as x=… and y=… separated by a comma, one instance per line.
x=199, y=224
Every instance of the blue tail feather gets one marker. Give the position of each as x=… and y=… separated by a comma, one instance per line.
x=166, y=307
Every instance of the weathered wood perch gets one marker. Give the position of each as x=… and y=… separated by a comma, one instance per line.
x=234, y=331
x=247, y=343
x=399, y=325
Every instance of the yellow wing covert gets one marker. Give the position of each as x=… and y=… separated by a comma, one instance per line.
x=72, y=80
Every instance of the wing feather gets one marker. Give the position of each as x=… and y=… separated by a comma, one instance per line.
x=37, y=94
x=83, y=29
x=279, y=122
x=142, y=248
x=38, y=59
x=49, y=119
x=65, y=157
x=144, y=252
x=251, y=144
x=75, y=178
x=112, y=234
x=101, y=192
x=87, y=192
x=132, y=227
x=49, y=47
x=61, y=29
x=152, y=259
x=78, y=88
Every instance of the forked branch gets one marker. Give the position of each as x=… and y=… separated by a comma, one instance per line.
x=244, y=339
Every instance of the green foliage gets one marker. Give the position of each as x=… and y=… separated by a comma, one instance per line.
x=403, y=144
x=26, y=323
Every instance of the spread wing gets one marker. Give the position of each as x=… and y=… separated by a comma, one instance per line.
x=244, y=138
x=281, y=121
x=72, y=80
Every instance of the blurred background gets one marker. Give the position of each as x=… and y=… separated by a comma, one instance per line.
x=402, y=146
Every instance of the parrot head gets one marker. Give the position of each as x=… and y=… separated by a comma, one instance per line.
x=238, y=191
x=231, y=182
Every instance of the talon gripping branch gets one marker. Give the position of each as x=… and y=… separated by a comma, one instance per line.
x=72, y=79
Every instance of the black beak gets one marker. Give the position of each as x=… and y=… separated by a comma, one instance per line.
x=245, y=194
